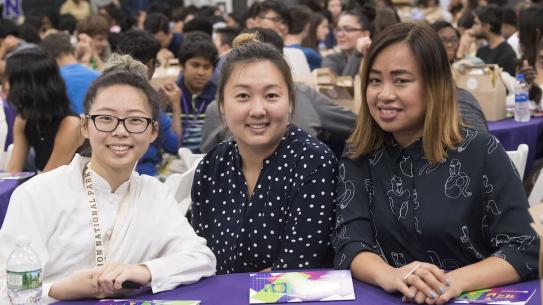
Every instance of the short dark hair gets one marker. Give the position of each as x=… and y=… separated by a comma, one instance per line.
x=37, y=90
x=509, y=16
x=440, y=25
x=466, y=20
x=8, y=27
x=29, y=33
x=198, y=24
x=156, y=22
x=67, y=22
x=227, y=35
x=197, y=44
x=492, y=15
x=123, y=77
x=57, y=44
x=259, y=8
x=93, y=25
x=364, y=15
x=268, y=36
x=141, y=45
x=299, y=18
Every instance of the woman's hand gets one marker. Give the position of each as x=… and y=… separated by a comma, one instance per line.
x=413, y=278
x=109, y=278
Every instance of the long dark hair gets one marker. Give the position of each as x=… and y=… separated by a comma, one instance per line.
x=530, y=33
x=37, y=90
x=312, y=41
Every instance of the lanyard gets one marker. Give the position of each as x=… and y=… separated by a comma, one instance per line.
x=196, y=113
x=99, y=246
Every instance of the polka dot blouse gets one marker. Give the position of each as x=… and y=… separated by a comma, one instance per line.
x=286, y=223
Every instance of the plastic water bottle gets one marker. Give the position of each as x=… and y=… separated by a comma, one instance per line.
x=522, y=103
x=24, y=274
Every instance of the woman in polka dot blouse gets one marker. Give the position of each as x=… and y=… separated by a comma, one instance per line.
x=264, y=200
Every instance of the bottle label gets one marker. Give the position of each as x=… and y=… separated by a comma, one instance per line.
x=24, y=280
x=521, y=97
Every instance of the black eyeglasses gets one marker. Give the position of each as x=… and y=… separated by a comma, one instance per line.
x=451, y=40
x=275, y=19
x=347, y=29
x=132, y=124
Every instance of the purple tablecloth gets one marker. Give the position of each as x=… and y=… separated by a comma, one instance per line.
x=233, y=289
x=511, y=134
x=6, y=188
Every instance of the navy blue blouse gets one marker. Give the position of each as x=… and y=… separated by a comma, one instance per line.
x=288, y=220
x=451, y=214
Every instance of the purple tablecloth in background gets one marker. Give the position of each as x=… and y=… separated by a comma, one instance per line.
x=233, y=289
x=511, y=134
x=6, y=188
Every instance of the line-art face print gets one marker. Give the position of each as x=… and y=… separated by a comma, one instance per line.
x=398, y=197
x=427, y=168
x=521, y=242
x=406, y=165
x=492, y=144
x=376, y=156
x=345, y=189
x=488, y=188
x=500, y=254
x=492, y=206
x=467, y=243
x=447, y=263
x=470, y=135
x=398, y=258
x=340, y=235
x=458, y=182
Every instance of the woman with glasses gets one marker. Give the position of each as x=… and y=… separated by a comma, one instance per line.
x=98, y=227
x=44, y=120
x=353, y=34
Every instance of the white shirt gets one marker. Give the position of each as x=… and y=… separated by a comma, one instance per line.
x=52, y=210
x=297, y=61
x=514, y=43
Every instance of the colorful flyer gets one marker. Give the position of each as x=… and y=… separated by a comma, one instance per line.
x=495, y=296
x=146, y=302
x=290, y=287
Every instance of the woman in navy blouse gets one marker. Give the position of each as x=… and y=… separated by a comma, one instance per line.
x=266, y=199
x=418, y=193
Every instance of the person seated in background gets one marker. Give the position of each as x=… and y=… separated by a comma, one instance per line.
x=197, y=57
x=155, y=246
x=144, y=48
x=487, y=26
x=316, y=114
x=265, y=200
x=419, y=194
x=93, y=48
x=44, y=119
x=222, y=38
x=298, y=30
x=274, y=14
x=353, y=35
x=159, y=25
x=10, y=42
x=76, y=76
x=509, y=29
x=318, y=31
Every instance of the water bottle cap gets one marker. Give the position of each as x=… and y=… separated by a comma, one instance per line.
x=520, y=76
x=22, y=241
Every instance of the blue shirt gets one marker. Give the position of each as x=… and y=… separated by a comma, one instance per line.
x=314, y=59
x=285, y=224
x=193, y=108
x=78, y=79
x=166, y=141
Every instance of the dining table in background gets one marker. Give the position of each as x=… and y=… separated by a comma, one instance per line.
x=233, y=289
x=511, y=134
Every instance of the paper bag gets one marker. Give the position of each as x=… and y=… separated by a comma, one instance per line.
x=486, y=84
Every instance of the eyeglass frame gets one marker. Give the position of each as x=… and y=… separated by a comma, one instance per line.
x=452, y=40
x=347, y=30
x=93, y=117
x=276, y=19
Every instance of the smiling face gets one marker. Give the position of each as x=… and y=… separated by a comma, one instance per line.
x=450, y=41
x=348, y=31
x=395, y=94
x=256, y=106
x=118, y=151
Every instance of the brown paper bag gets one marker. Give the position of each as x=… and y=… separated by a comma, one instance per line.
x=486, y=84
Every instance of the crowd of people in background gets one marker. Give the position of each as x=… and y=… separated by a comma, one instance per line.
x=290, y=178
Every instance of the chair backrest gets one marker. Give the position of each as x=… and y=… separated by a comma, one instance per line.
x=188, y=158
x=181, y=185
x=519, y=157
x=536, y=196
